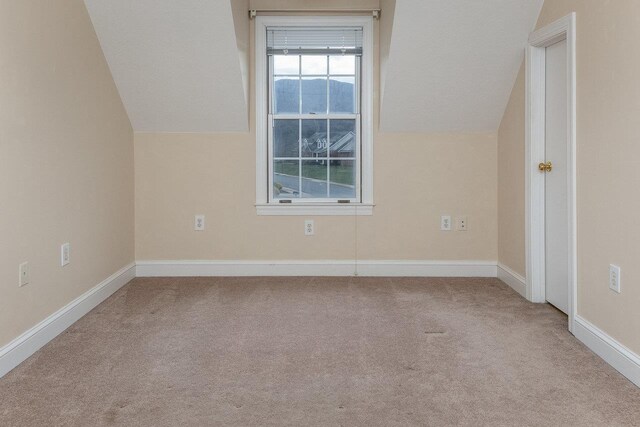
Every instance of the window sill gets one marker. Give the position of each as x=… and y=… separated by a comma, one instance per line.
x=317, y=209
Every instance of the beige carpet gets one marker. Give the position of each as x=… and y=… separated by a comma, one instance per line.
x=317, y=351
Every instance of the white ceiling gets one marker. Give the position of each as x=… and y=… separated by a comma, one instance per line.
x=452, y=63
x=175, y=63
x=179, y=66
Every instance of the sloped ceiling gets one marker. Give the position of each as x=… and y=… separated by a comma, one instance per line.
x=176, y=63
x=182, y=66
x=452, y=63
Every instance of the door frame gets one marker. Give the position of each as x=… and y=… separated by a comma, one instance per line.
x=563, y=29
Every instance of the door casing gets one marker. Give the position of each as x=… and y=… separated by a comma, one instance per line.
x=563, y=29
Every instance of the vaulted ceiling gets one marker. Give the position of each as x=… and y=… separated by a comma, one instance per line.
x=176, y=63
x=452, y=63
x=182, y=66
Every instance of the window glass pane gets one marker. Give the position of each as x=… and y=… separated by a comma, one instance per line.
x=314, y=138
x=286, y=95
x=343, y=138
x=314, y=64
x=314, y=178
x=285, y=138
x=342, y=182
x=286, y=179
x=342, y=64
x=342, y=91
x=314, y=158
x=314, y=95
x=286, y=64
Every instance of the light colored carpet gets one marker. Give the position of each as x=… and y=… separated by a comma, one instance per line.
x=317, y=351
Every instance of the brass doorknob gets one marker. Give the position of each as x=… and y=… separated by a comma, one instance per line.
x=545, y=167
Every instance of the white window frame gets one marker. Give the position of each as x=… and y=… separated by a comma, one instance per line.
x=265, y=206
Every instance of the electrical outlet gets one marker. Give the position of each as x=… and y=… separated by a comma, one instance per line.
x=445, y=223
x=461, y=223
x=199, y=223
x=24, y=274
x=309, y=228
x=65, y=254
x=614, y=278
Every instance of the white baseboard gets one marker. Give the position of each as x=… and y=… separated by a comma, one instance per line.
x=317, y=268
x=513, y=279
x=18, y=350
x=615, y=354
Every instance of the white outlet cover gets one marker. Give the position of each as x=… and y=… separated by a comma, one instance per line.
x=462, y=223
x=445, y=223
x=65, y=254
x=24, y=275
x=309, y=227
x=614, y=278
x=198, y=223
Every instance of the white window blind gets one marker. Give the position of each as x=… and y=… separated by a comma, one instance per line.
x=325, y=40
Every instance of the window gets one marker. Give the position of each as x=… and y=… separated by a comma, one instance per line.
x=313, y=115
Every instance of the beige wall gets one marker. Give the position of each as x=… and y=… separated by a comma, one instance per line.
x=511, y=203
x=608, y=177
x=66, y=161
x=416, y=179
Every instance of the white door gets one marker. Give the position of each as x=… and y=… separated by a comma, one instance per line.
x=556, y=180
